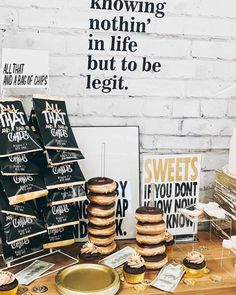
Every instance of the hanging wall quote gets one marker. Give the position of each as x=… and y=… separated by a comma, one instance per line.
x=116, y=36
x=176, y=180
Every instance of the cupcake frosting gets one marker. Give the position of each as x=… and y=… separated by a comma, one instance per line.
x=89, y=248
x=168, y=237
x=136, y=261
x=6, y=278
x=195, y=257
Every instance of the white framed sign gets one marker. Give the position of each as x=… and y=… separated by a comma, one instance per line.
x=176, y=180
x=122, y=165
x=23, y=68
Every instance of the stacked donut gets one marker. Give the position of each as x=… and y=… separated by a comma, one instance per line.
x=101, y=213
x=151, y=237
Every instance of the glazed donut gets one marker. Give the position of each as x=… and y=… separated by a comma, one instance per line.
x=154, y=228
x=150, y=250
x=101, y=211
x=155, y=262
x=150, y=239
x=149, y=214
x=101, y=230
x=106, y=250
x=102, y=199
x=101, y=185
x=101, y=221
x=102, y=240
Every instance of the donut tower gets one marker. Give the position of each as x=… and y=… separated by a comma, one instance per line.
x=151, y=236
x=102, y=195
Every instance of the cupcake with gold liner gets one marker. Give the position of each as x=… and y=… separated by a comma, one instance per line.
x=169, y=242
x=8, y=283
x=194, y=264
x=134, y=269
x=89, y=253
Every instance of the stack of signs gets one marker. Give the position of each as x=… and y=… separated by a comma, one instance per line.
x=20, y=183
x=62, y=173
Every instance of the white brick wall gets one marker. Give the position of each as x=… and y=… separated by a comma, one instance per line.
x=184, y=108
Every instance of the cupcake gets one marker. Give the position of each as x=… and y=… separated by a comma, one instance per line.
x=89, y=253
x=8, y=283
x=194, y=264
x=169, y=242
x=134, y=269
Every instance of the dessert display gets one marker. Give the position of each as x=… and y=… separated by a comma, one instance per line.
x=101, y=213
x=8, y=283
x=134, y=269
x=169, y=242
x=151, y=236
x=89, y=253
x=194, y=264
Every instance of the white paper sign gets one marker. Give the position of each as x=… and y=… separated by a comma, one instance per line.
x=122, y=165
x=176, y=179
x=22, y=68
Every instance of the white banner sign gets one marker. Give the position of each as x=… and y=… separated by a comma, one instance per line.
x=22, y=68
x=176, y=179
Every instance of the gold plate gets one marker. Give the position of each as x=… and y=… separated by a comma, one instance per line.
x=87, y=279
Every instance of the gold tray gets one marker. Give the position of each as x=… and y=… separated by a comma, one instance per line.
x=87, y=279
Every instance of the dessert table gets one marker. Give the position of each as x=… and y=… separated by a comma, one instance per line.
x=212, y=251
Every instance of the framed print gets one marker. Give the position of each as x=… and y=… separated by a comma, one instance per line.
x=121, y=164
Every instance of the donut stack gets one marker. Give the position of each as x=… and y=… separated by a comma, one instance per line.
x=151, y=236
x=101, y=213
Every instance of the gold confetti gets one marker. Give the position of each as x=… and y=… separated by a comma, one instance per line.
x=146, y=283
x=119, y=271
x=215, y=278
x=139, y=287
x=189, y=282
x=203, y=248
x=206, y=270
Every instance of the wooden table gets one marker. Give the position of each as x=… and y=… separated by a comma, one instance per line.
x=203, y=286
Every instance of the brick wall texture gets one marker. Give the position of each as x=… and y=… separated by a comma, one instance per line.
x=189, y=106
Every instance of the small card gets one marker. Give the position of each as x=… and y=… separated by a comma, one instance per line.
x=33, y=271
x=118, y=258
x=168, y=278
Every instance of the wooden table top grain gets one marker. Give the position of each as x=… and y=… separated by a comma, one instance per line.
x=212, y=251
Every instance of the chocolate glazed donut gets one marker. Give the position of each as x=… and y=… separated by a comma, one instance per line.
x=149, y=214
x=106, y=250
x=150, y=239
x=101, y=211
x=101, y=240
x=101, y=185
x=150, y=250
x=102, y=199
x=154, y=228
x=155, y=262
x=101, y=221
x=101, y=230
